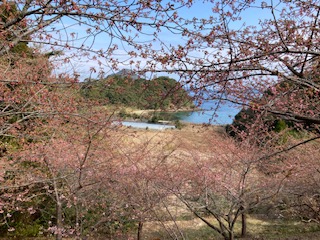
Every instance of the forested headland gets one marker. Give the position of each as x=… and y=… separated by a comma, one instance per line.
x=162, y=93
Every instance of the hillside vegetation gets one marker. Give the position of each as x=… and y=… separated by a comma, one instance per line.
x=251, y=119
x=159, y=93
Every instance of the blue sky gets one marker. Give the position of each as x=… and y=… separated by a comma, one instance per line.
x=82, y=65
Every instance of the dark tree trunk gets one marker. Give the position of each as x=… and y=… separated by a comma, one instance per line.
x=229, y=236
x=139, y=236
x=243, y=224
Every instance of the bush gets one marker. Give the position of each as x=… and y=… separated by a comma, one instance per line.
x=279, y=125
x=123, y=113
x=178, y=124
x=154, y=119
x=27, y=230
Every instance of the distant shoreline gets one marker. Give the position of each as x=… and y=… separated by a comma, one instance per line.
x=197, y=115
x=146, y=111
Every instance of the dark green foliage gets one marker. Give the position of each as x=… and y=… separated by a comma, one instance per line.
x=154, y=119
x=178, y=124
x=9, y=11
x=245, y=121
x=280, y=125
x=159, y=93
x=22, y=229
x=123, y=113
x=263, y=122
x=27, y=209
x=24, y=223
x=241, y=121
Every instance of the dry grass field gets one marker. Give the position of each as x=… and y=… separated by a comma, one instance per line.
x=198, y=139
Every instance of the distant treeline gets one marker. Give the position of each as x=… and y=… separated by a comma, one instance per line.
x=159, y=93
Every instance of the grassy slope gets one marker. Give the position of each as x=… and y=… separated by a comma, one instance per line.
x=196, y=137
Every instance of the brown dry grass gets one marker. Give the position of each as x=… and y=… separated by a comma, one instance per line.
x=198, y=139
x=195, y=136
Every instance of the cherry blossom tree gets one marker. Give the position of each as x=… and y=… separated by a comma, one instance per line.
x=300, y=196
x=224, y=183
x=38, y=105
x=238, y=61
x=270, y=67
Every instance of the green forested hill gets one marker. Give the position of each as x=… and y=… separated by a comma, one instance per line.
x=158, y=93
x=295, y=117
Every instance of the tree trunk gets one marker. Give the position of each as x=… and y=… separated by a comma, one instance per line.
x=139, y=236
x=59, y=220
x=58, y=212
x=229, y=236
x=243, y=224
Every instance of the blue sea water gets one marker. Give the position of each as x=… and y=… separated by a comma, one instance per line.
x=209, y=114
x=147, y=125
x=224, y=114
